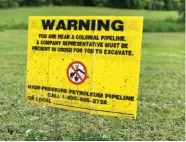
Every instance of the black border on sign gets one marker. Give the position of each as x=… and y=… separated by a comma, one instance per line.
x=77, y=62
x=93, y=109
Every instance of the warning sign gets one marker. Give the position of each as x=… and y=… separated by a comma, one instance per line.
x=85, y=63
x=77, y=72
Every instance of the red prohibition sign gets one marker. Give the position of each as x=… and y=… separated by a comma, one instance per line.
x=77, y=72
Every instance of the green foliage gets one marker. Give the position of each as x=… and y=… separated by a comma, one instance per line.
x=182, y=10
x=3, y=4
x=158, y=4
x=17, y=3
x=58, y=2
x=100, y=3
x=140, y=4
x=9, y=3
x=171, y=4
x=128, y=4
x=35, y=2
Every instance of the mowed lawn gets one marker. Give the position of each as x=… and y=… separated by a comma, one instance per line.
x=161, y=101
x=18, y=18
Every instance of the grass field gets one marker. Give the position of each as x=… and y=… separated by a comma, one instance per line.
x=161, y=101
x=154, y=21
x=21, y=14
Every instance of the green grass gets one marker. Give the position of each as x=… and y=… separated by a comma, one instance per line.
x=160, y=116
x=154, y=21
x=21, y=14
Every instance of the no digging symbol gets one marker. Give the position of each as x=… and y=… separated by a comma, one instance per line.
x=77, y=72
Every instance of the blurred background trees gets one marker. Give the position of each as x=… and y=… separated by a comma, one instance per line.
x=178, y=5
x=129, y=4
x=182, y=10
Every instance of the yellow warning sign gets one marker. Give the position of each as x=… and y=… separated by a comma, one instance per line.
x=85, y=63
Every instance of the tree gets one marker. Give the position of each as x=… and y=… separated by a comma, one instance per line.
x=9, y=3
x=171, y=4
x=89, y=2
x=182, y=10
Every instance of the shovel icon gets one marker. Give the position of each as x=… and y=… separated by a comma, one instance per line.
x=75, y=73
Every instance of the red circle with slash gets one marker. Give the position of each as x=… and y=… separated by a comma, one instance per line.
x=77, y=72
